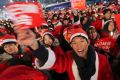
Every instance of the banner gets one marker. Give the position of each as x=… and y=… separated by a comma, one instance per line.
x=106, y=43
x=78, y=4
x=117, y=20
x=26, y=14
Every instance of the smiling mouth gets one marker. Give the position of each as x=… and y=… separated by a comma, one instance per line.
x=80, y=51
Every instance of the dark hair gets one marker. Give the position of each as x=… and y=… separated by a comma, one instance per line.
x=52, y=37
x=118, y=41
x=55, y=15
x=106, y=10
x=82, y=19
x=105, y=27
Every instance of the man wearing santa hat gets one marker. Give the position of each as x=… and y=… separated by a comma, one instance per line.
x=82, y=63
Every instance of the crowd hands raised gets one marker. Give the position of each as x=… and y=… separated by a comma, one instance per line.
x=72, y=45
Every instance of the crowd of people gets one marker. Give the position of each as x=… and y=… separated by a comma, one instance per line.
x=73, y=44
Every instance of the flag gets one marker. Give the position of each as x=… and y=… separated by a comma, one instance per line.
x=78, y=4
x=26, y=14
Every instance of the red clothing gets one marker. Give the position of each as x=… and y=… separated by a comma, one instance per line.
x=66, y=63
x=103, y=71
x=57, y=30
x=98, y=24
x=27, y=57
x=22, y=72
x=107, y=43
x=3, y=66
x=58, y=50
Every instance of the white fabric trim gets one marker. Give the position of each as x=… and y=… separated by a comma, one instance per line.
x=64, y=33
x=92, y=27
x=95, y=76
x=47, y=33
x=103, y=23
x=49, y=63
x=77, y=34
x=107, y=22
x=8, y=40
x=76, y=73
x=77, y=23
x=58, y=24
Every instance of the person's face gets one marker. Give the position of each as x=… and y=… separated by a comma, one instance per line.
x=65, y=22
x=11, y=48
x=25, y=36
x=48, y=40
x=111, y=26
x=75, y=12
x=55, y=18
x=108, y=15
x=85, y=20
x=80, y=46
x=92, y=34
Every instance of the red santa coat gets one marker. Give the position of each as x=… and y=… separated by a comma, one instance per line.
x=22, y=72
x=58, y=50
x=3, y=66
x=66, y=63
x=98, y=24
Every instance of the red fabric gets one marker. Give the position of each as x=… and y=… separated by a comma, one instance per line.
x=106, y=43
x=22, y=72
x=25, y=18
x=70, y=33
x=78, y=4
x=66, y=62
x=57, y=31
x=58, y=50
x=105, y=72
x=97, y=24
x=7, y=38
x=3, y=66
x=117, y=19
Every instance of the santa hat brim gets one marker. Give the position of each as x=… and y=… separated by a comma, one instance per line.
x=78, y=34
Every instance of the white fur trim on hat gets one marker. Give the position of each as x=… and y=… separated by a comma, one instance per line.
x=90, y=27
x=47, y=33
x=77, y=34
x=8, y=40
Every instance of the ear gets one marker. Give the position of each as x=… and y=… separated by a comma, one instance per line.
x=88, y=42
x=17, y=44
x=71, y=45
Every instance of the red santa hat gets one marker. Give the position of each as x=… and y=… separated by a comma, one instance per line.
x=7, y=38
x=44, y=32
x=21, y=72
x=91, y=27
x=69, y=34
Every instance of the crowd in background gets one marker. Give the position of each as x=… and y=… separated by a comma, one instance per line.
x=98, y=21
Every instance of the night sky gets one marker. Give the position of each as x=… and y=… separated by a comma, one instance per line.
x=3, y=2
